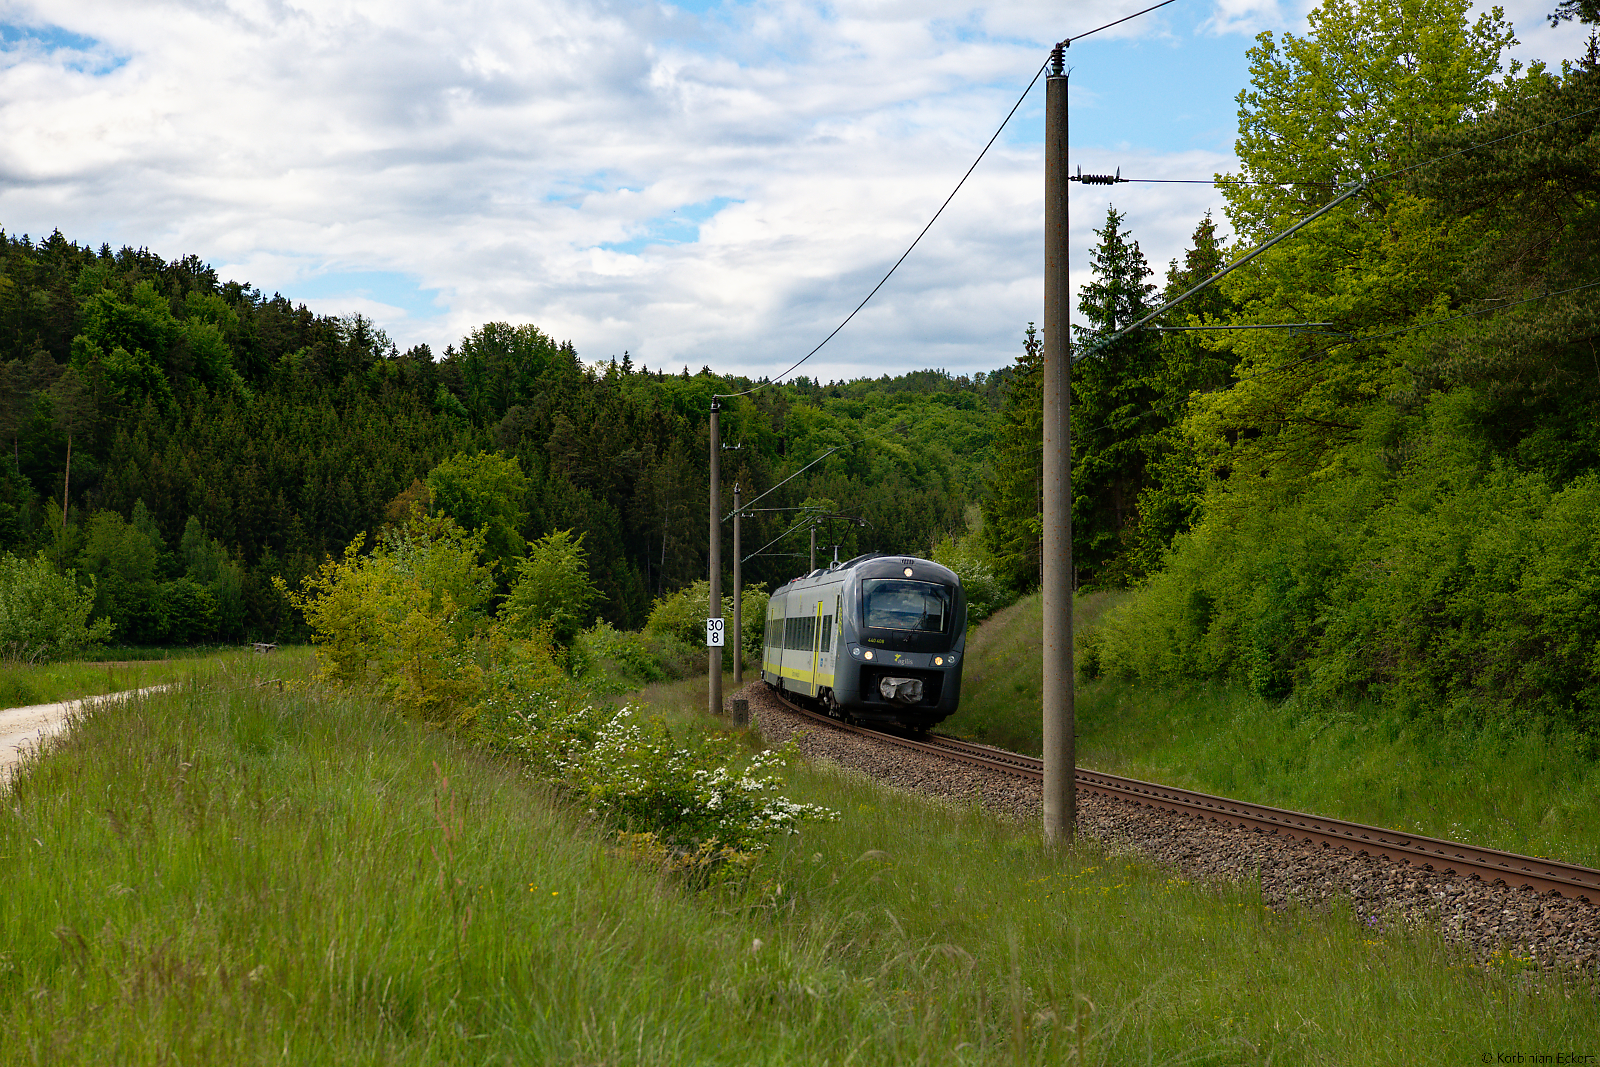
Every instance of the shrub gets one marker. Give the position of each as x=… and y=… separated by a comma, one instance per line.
x=618, y=658
x=405, y=619
x=677, y=659
x=1448, y=593
x=690, y=795
x=970, y=560
x=551, y=588
x=44, y=615
x=684, y=790
x=682, y=616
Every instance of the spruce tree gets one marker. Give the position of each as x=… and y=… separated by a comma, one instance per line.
x=1113, y=395
x=1012, y=526
x=1190, y=363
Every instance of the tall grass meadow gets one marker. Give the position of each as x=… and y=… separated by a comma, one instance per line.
x=252, y=876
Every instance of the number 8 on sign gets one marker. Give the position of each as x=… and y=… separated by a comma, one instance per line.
x=713, y=633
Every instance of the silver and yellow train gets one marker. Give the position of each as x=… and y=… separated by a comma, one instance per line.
x=878, y=639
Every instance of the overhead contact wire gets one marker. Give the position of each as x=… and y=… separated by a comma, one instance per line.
x=988, y=145
x=909, y=248
x=1359, y=186
x=1267, y=372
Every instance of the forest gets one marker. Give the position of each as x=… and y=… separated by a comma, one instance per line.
x=1362, y=471
x=182, y=440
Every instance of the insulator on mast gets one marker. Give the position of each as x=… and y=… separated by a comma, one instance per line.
x=1097, y=179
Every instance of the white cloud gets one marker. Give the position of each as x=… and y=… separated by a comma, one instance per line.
x=1250, y=17
x=490, y=150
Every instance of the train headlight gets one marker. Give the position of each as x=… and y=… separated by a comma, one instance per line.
x=868, y=653
x=908, y=572
x=855, y=650
x=938, y=661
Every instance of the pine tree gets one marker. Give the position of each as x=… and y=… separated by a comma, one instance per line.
x=1113, y=395
x=1582, y=10
x=1013, y=529
x=1190, y=363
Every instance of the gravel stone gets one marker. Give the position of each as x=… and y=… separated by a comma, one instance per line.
x=1489, y=920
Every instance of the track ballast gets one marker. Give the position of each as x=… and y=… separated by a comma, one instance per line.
x=1429, y=853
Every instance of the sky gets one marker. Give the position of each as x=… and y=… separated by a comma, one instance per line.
x=696, y=183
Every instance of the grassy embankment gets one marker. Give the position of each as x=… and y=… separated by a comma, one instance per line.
x=22, y=685
x=241, y=875
x=1530, y=793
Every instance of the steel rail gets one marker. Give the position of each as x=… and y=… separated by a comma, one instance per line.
x=1428, y=853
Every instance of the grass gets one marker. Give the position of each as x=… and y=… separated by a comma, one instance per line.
x=240, y=875
x=1003, y=674
x=121, y=653
x=1533, y=793
x=22, y=685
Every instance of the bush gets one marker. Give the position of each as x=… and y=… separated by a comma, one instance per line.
x=687, y=802
x=676, y=658
x=1449, y=593
x=682, y=616
x=690, y=793
x=618, y=660
x=967, y=556
x=642, y=777
x=406, y=619
x=44, y=615
x=552, y=588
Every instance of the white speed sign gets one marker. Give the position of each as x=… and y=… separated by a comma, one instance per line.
x=714, y=633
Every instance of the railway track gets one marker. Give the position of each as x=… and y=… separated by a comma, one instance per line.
x=1428, y=853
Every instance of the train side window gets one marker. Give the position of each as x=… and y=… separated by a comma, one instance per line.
x=827, y=633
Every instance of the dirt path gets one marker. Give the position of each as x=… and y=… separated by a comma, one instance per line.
x=23, y=728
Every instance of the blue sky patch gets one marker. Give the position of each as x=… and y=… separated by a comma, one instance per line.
x=1172, y=92
x=95, y=59
x=680, y=226
x=698, y=7
x=1162, y=94
x=386, y=287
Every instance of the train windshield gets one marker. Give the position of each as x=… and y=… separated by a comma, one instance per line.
x=895, y=604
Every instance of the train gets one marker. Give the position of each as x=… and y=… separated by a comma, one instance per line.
x=876, y=640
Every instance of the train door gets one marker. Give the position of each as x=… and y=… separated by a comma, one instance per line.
x=772, y=653
x=827, y=642
x=816, y=647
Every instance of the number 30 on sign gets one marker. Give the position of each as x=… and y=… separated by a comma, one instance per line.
x=714, y=633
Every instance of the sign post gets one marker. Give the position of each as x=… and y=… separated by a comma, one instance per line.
x=714, y=657
x=738, y=600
